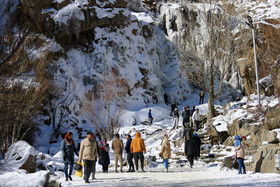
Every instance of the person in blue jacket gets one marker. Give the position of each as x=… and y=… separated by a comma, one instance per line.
x=68, y=149
x=150, y=117
x=129, y=154
x=237, y=141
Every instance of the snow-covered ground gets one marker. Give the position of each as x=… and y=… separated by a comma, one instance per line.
x=198, y=176
x=180, y=174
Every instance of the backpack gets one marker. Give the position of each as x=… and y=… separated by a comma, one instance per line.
x=176, y=113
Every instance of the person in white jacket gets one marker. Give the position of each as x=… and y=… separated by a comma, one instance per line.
x=196, y=119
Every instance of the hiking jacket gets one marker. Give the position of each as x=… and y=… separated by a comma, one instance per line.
x=117, y=146
x=137, y=144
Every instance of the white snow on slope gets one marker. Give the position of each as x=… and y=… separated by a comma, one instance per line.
x=239, y=110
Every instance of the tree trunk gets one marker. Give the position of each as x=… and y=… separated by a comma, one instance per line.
x=14, y=133
x=211, y=106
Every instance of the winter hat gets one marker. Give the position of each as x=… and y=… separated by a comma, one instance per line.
x=89, y=133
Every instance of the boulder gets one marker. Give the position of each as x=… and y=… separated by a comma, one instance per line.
x=264, y=159
x=20, y=156
x=272, y=118
x=271, y=137
x=228, y=162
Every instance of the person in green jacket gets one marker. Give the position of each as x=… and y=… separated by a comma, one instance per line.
x=68, y=149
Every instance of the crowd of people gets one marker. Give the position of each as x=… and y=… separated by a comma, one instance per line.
x=91, y=150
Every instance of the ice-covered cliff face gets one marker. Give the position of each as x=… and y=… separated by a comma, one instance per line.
x=135, y=49
x=186, y=22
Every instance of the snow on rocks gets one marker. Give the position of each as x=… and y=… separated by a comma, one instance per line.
x=242, y=110
x=20, y=156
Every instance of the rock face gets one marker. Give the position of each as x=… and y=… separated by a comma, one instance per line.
x=272, y=119
x=67, y=17
x=268, y=50
x=264, y=159
x=21, y=156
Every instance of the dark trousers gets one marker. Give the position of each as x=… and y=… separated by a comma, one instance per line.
x=66, y=170
x=89, y=167
x=129, y=160
x=185, y=121
x=138, y=156
x=105, y=168
x=201, y=100
x=196, y=125
x=190, y=159
x=241, y=165
x=93, y=169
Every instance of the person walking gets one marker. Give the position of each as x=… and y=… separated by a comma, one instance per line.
x=176, y=115
x=173, y=106
x=197, y=145
x=93, y=137
x=165, y=96
x=150, y=117
x=129, y=154
x=104, y=154
x=196, y=119
x=190, y=150
x=240, y=152
x=88, y=153
x=117, y=146
x=201, y=97
x=192, y=111
x=165, y=152
x=186, y=116
x=68, y=149
x=137, y=148
x=188, y=132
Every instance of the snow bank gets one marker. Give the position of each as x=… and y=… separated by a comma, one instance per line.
x=20, y=178
x=17, y=155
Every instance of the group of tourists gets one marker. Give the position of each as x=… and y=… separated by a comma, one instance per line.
x=90, y=151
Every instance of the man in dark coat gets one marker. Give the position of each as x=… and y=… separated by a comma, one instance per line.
x=197, y=145
x=129, y=154
x=104, y=153
x=190, y=150
x=188, y=132
x=186, y=116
